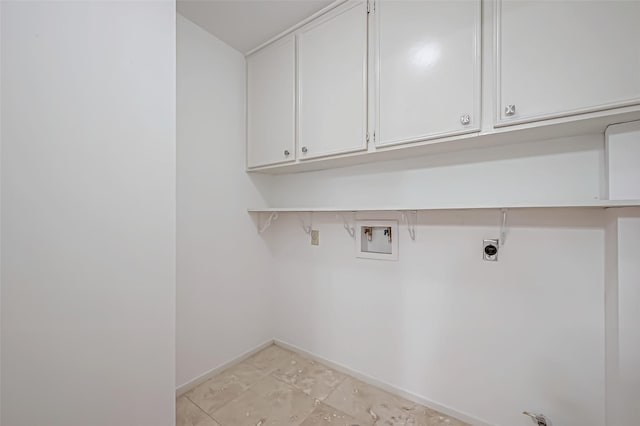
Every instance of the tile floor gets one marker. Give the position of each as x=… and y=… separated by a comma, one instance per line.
x=276, y=387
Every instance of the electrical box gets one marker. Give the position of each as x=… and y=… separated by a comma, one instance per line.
x=377, y=239
x=490, y=250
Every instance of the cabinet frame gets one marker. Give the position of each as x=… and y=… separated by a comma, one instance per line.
x=492, y=129
x=498, y=121
x=340, y=9
x=477, y=84
x=294, y=155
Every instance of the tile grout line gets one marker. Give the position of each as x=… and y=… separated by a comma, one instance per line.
x=241, y=393
x=216, y=420
x=248, y=361
x=344, y=379
x=312, y=361
x=223, y=405
x=291, y=385
x=385, y=387
x=323, y=401
x=201, y=409
x=272, y=374
x=231, y=400
x=294, y=387
x=320, y=401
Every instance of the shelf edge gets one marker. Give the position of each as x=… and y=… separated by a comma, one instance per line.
x=603, y=204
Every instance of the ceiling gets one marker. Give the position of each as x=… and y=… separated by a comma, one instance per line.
x=246, y=24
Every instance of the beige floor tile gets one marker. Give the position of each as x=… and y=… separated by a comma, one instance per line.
x=188, y=414
x=326, y=415
x=269, y=402
x=442, y=420
x=310, y=377
x=272, y=358
x=370, y=404
x=228, y=385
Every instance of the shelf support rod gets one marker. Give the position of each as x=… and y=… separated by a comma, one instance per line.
x=305, y=228
x=351, y=229
x=503, y=227
x=273, y=216
x=411, y=219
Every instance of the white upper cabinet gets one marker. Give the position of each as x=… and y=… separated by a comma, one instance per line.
x=271, y=104
x=428, y=61
x=332, y=83
x=309, y=97
x=559, y=58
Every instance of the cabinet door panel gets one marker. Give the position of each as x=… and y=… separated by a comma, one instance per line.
x=428, y=69
x=271, y=104
x=332, y=67
x=558, y=58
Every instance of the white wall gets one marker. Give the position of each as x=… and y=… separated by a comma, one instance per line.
x=88, y=213
x=623, y=317
x=628, y=316
x=224, y=284
x=487, y=340
x=482, y=338
x=569, y=169
x=0, y=217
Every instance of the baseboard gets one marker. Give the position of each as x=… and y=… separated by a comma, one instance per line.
x=186, y=387
x=385, y=386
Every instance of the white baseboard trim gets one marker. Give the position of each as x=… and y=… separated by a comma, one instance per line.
x=385, y=386
x=184, y=388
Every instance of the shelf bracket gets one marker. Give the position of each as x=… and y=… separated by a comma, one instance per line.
x=411, y=219
x=272, y=216
x=305, y=228
x=503, y=227
x=351, y=229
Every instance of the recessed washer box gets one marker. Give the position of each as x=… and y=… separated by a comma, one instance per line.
x=377, y=239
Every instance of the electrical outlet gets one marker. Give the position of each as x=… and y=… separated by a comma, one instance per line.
x=315, y=237
x=490, y=250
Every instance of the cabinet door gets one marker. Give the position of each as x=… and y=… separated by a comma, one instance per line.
x=271, y=104
x=559, y=58
x=332, y=70
x=428, y=69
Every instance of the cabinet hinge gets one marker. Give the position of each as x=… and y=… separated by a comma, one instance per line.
x=371, y=6
x=367, y=137
x=374, y=137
